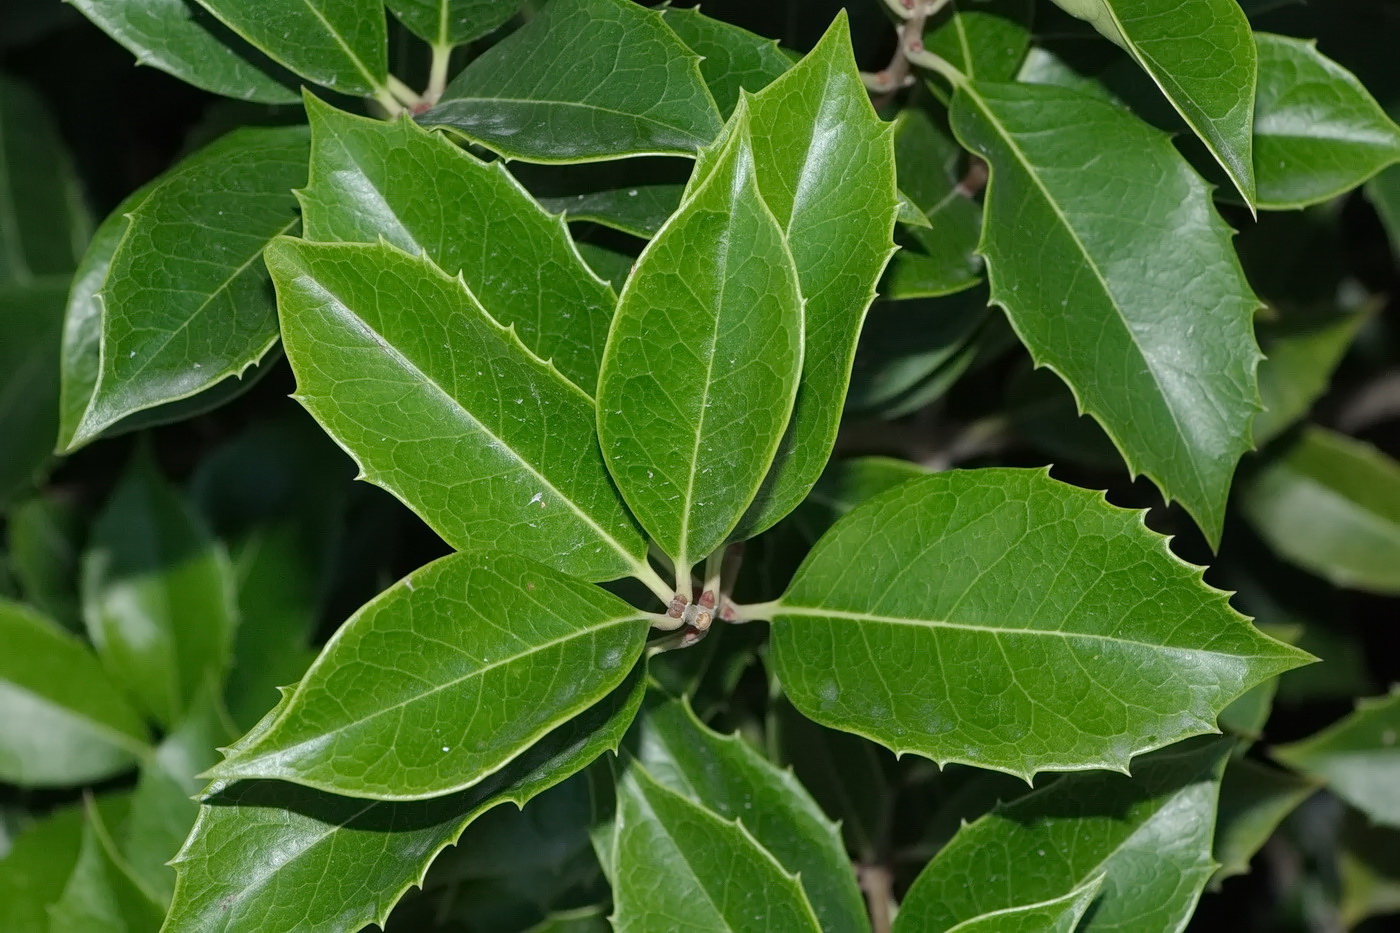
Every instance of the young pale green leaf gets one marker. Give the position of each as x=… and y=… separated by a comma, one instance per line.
x=444, y=678
x=825, y=167
x=157, y=594
x=1002, y=619
x=348, y=860
x=62, y=720
x=447, y=410
x=183, y=40
x=583, y=80
x=727, y=777
x=680, y=866
x=31, y=324
x=1170, y=371
x=1148, y=836
x=445, y=23
x=640, y=211
x=702, y=361
x=185, y=302
x=36, y=868
x=1358, y=757
x=1254, y=799
x=732, y=60
x=1057, y=915
x=372, y=179
x=1301, y=352
x=984, y=39
x=1331, y=505
x=342, y=44
x=43, y=223
x=1202, y=55
x=1317, y=131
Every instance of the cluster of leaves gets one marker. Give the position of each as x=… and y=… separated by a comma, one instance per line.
x=593, y=307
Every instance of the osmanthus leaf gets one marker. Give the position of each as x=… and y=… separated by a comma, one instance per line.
x=445, y=23
x=1301, y=352
x=1331, y=505
x=185, y=41
x=640, y=211
x=348, y=861
x=63, y=722
x=1358, y=757
x=1001, y=619
x=732, y=59
x=183, y=299
x=31, y=324
x=1057, y=915
x=101, y=895
x=728, y=778
x=1170, y=371
x=1370, y=870
x=581, y=81
x=44, y=535
x=1254, y=800
x=36, y=868
x=702, y=361
x=150, y=568
x=1201, y=53
x=447, y=409
x=372, y=179
x=681, y=866
x=444, y=678
x=1317, y=131
x=1148, y=836
x=825, y=167
x=1383, y=192
x=342, y=44
x=984, y=39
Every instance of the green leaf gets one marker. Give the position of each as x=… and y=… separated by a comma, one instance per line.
x=444, y=678
x=157, y=594
x=342, y=44
x=1331, y=505
x=717, y=876
x=732, y=60
x=984, y=39
x=1358, y=757
x=1370, y=870
x=43, y=223
x=1202, y=55
x=31, y=323
x=1170, y=373
x=44, y=535
x=181, y=39
x=371, y=179
x=702, y=362
x=1383, y=192
x=1317, y=131
x=581, y=81
x=904, y=343
x=387, y=378
x=640, y=211
x=1254, y=799
x=1301, y=352
x=184, y=301
x=62, y=720
x=102, y=895
x=1001, y=619
x=1148, y=836
x=1057, y=915
x=726, y=777
x=825, y=167
x=446, y=23
x=36, y=868
x=350, y=860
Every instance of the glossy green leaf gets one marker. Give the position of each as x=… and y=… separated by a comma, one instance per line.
x=1254, y=800
x=1148, y=836
x=348, y=860
x=371, y=179
x=62, y=720
x=583, y=80
x=984, y=39
x=732, y=60
x=387, y=378
x=639, y=211
x=1331, y=505
x=1358, y=757
x=342, y=44
x=1057, y=915
x=184, y=301
x=44, y=535
x=43, y=223
x=608, y=264
x=717, y=876
x=1170, y=373
x=157, y=594
x=181, y=39
x=1301, y=353
x=101, y=896
x=446, y=23
x=1002, y=619
x=1202, y=55
x=702, y=362
x=813, y=131
x=728, y=778
x=443, y=679
x=36, y=868
x=31, y=324
x=1317, y=131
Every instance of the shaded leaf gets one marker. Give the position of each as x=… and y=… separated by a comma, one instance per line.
x=1383, y=192
x=984, y=39
x=1058, y=915
x=1358, y=757
x=1301, y=353
x=904, y=343
x=44, y=536
x=1254, y=800
x=639, y=211
x=43, y=223
x=31, y=324
x=1004, y=620
x=1370, y=871
x=36, y=868
x=446, y=23
x=732, y=60
x=101, y=896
